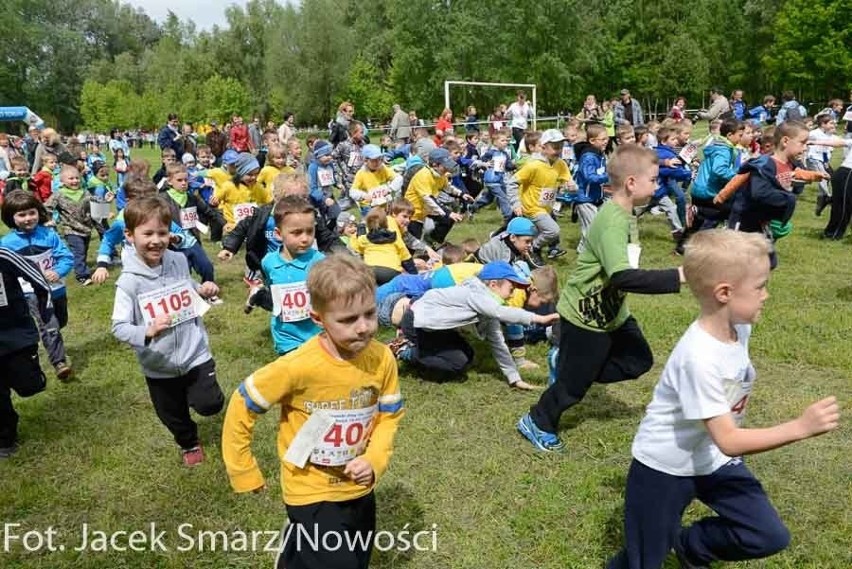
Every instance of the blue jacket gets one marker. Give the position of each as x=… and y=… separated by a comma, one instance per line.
x=760, y=113
x=670, y=175
x=114, y=236
x=717, y=169
x=403, y=152
x=316, y=191
x=591, y=174
x=492, y=177
x=785, y=110
x=740, y=109
x=763, y=199
x=37, y=242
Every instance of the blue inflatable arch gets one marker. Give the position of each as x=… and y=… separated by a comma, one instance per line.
x=8, y=114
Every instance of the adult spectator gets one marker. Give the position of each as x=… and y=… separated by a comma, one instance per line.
x=30, y=143
x=285, y=131
x=628, y=111
x=170, y=136
x=239, y=135
x=791, y=109
x=678, y=111
x=49, y=143
x=591, y=111
x=255, y=133
x=719, y=106
x=738, y=105
x=413, y=120
x=518, y=114
x=190, y=144
x=217, y=142
x=117, y=142
x=7, y=152
x=339, y=127
x=400, y=127
x=443, y=126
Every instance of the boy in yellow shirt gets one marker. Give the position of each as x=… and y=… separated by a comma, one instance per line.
x=532, y=192
x=276, y=163
x=375, y=183
x=423, y=190
x=240, y=196
x=341, y=406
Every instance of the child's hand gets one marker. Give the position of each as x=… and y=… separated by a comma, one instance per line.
x=51, y=276
x=518, y=211
x=208, y=289
x=109, y=197
x=467, y=197
x=159, y=324
x=329, y=202
x=681, y=275
x=229, y=227
x=100, y=275
x=545, y=319
x=457, y=217
x=820, y=417
x=214, y=201
x=359, y=471
x=225, y=255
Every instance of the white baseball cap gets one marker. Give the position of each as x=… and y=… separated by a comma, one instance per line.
x=551, y=135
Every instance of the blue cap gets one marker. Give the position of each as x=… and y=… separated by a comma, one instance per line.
x=322, y=148
x=371, y=152
x=521, y=226
x=230, y=156
x=441, y=157
x=499, y=270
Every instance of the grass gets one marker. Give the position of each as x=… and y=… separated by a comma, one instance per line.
x=93, y=451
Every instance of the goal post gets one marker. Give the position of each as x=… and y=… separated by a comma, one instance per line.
x=531, y=87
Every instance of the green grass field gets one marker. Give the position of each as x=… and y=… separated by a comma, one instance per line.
x=92, y=451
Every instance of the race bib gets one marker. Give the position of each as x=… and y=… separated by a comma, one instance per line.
x=499, y=162
x=291, y=302
x=189, y=217
x=243, y=211
x=325, y=177
x=99, y=210
x=179, y=302
x=547, y=196
x=688, y=153
x=379, y=195
x=347, y=438
x=45, y=262
x=738, y=392
x=634, y=251
x=4, y=300
x=567, y=152
x=355, y=160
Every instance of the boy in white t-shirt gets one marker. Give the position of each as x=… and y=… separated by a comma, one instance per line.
x=690, y=442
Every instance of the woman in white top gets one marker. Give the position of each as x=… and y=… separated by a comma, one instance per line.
x=518, y=115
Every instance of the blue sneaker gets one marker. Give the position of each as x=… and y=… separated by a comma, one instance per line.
x=542, y=440
x=552, y=358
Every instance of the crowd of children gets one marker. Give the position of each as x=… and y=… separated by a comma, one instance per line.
x=342, y=242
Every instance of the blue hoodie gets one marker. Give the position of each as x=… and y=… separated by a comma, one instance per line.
x=763, y=199
x=491, y=176
x=317, y=192
x=591, y=174
x=716, y=170
x=669, y=175
x=35, y=246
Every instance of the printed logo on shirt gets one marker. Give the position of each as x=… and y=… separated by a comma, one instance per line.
x=601, y=305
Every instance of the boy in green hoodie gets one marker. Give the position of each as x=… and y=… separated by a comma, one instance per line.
x=70, y=206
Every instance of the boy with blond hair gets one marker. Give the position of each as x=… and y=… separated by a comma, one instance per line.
x=691, y=441
x=599, y=341
x=340, y=400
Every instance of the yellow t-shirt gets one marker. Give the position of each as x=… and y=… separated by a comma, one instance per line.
x=268, y=174
x=538, y=182
x=425, y=183
x=366, y=180
x=389, y=255
x=362, y=393
x=231, y=195
x=219, y=176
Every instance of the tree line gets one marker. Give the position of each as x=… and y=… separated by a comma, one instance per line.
x=102, y=64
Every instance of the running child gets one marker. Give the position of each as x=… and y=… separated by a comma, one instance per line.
x=241, y=195
x=72, y=204
x=691, y=441
x=375, y=184
x=158, y=311
x=599, y=340
x=26, y=216
x=591, y=178
x=342, y=378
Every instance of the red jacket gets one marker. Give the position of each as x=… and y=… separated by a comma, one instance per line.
x=43, y=182
x=240, y=138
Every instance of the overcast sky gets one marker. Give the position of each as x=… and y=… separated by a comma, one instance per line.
x=205, y=13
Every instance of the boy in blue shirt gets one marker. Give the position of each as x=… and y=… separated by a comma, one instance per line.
x=25, y=216
x=591, y=177
x=499, y=161
x=285, y=273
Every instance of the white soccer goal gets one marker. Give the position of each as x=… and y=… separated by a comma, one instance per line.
x=531, y=87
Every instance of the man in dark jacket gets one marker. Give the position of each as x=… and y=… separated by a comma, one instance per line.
x=170, y=136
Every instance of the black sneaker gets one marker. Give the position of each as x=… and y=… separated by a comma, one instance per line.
x=6, y=452
x=555, y=253
x=821, y=203
x=250, y=301
x=535, y=259
x=683, y=561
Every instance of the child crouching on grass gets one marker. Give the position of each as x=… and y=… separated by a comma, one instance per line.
x=158, y=313
x=347, y=382
x=691, y=441
x=431, y=324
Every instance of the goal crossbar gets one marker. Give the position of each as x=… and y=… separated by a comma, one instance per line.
x=529, y=86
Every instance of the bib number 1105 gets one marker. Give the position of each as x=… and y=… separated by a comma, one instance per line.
x=175, y=302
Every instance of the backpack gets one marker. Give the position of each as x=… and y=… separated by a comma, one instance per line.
x=794, y=113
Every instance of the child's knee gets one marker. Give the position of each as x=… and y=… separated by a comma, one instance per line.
x=210, y=406
x=766, y=540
